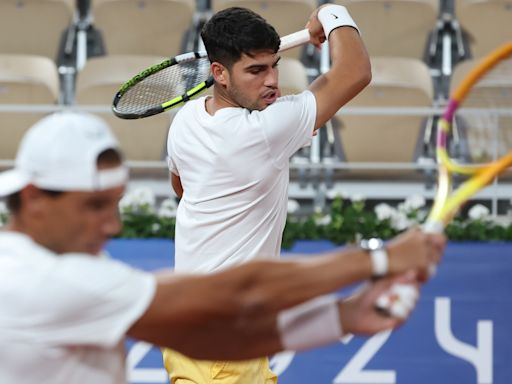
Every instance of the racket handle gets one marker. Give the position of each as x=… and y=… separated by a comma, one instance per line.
x=432, y=226
x=294, y=40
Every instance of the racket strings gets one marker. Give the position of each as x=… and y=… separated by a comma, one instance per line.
x=486, y=115
x=164, y=85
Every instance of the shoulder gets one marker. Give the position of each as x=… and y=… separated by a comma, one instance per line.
x=289, y=107
x=304, y=97
x=191, y=106
x=22, y=247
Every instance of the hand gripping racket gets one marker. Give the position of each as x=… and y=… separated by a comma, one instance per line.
x=487, y=89
x=175, y=81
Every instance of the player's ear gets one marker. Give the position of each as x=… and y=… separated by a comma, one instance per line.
x=220, y=73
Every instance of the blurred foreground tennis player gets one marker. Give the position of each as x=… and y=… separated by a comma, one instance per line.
x=229, y=154
x=66, y=308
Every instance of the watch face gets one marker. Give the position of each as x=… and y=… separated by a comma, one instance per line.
x=372, y=244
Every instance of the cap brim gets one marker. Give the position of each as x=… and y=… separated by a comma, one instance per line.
x=12, y=181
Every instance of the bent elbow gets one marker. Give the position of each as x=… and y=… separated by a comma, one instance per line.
x=364, y=75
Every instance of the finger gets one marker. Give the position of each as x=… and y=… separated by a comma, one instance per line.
x=400, y=299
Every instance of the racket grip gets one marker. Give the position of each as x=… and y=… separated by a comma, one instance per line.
x=294, y=40
x=432, y=226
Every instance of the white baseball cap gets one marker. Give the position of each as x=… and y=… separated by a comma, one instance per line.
x=60, y=153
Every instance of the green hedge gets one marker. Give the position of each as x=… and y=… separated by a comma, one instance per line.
x=347, y=221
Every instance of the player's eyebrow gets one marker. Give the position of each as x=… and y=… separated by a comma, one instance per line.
x=253, y=67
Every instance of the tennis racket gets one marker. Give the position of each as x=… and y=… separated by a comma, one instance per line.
x=175, y=81
x=482, y=105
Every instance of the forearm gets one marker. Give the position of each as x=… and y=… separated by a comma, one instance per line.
x=349, y=60
x=288, y=283
x=236, y=296
x=227, y=339
x=265, y=286
x=350, y=69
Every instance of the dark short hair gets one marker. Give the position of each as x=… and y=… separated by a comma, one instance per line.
x=236, y=31
x=106, y=158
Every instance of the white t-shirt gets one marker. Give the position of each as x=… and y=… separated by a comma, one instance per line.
x=63, y=317
x=234, y=169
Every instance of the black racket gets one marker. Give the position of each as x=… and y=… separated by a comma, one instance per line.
x=174, y=82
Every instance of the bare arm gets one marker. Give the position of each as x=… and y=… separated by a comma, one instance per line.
x=232, y=314
x=176, y=185
x=350, y=69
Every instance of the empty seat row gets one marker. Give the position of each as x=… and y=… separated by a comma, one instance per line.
x=395, y=32
x=156, y=27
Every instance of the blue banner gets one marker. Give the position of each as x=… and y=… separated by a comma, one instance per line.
x=460, y=332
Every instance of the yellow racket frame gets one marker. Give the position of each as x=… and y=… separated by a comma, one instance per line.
x=446, y=205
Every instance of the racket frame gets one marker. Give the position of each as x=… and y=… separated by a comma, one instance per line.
x=447, y=203
x=183, y=58
x=287, y=42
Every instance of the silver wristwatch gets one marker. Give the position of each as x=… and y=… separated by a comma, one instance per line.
x=378, y=254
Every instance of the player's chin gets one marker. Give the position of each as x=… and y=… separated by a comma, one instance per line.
x=95, y=249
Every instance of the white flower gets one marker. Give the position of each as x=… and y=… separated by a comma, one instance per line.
x=400, y=221
x=333, y=194
x=155, y=227
x=357, y=198
x=384, y=211
x=293, y=206
x=168, y=208
x=413, y=203
x=137, y=199
x=479, y=212
x=323, y=220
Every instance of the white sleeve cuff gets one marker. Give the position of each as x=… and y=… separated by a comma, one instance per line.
x=309, y=325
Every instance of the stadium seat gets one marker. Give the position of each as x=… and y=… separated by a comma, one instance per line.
x=143, y=27
x=34, y=27
x=488, y=23
x=397, y=28
x=24, y=79
x=485, y=135
x=292, y=76
x=287, y=16
x=141, y=140
x=396, y=82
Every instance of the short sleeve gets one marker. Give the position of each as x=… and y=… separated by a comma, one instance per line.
x=288, y=125
x=172, y=165
x=87, y=301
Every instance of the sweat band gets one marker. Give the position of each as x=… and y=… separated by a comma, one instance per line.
x=311, y=324
x=333, y=16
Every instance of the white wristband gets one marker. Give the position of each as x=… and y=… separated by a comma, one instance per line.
x=333, y=16
x=310, y=325
x=379, y=261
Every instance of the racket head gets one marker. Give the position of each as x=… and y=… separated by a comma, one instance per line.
x=486, y=89
x=163, y=86
x=173, y=82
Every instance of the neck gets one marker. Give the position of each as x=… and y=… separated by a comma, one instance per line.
x=17, y=224
x=219, y=100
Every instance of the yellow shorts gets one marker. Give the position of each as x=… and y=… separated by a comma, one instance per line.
x=183, y=370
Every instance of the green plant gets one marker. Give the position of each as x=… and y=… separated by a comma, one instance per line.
x=347, y=221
